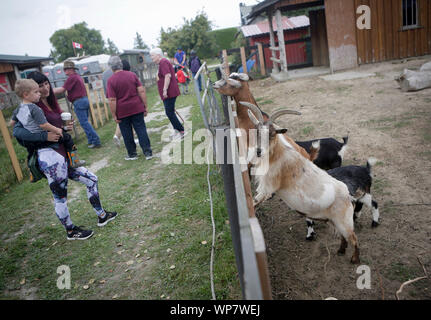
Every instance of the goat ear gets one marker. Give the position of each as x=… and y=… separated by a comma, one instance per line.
x=280, y=131
x=234, y=83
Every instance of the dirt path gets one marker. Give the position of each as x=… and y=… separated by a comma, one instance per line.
x=381, y=122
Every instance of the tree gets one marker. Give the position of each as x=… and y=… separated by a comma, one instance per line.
x=90, y=39
x=111, y=48
x=139, y=43
x=193, y=34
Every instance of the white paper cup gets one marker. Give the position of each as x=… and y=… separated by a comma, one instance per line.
x=67, y=118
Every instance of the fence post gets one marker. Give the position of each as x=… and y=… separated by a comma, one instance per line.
x=98, y=101
x=93, y=116
x=261, y=59
x=10, y=149
x=226, y=63
x=243, y=60
x=102, y=93
x=261, y=257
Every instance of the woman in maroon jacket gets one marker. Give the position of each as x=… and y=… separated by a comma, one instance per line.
x=52, y=162
x=168, y=89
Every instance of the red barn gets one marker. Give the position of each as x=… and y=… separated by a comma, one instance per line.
x=295, y=29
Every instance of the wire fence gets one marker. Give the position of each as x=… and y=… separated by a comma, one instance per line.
x=247, y=237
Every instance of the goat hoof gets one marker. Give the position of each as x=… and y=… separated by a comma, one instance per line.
x=355, y=260
x=341, y=252
x=374, y=224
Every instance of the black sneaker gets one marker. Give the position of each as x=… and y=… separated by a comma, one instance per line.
x=79, y=234
x=108, y=217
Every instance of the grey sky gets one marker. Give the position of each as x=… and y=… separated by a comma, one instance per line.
x=27, y=25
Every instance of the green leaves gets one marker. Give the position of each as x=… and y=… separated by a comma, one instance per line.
x=61, y=40
x=193, y=34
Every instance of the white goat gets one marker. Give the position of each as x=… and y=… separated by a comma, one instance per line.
x=301, y=184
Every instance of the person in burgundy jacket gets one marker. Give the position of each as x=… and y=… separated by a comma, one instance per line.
x=77, y=94
x=168, y=89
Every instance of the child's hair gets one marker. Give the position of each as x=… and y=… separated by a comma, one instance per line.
x=23, y=86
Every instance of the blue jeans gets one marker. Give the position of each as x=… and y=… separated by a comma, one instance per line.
x=199, y=80
x=138, y=123
x=81, y=107
x=170, y=113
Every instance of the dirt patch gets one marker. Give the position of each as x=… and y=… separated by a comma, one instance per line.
x=381, y=122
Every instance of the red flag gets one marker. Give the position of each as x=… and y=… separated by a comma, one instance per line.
x=77, y=45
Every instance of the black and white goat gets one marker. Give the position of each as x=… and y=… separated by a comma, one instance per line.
x=331, y=152
x=358, y=180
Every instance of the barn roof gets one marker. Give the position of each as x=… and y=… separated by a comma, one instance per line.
x=14, y=59
x=263, y=26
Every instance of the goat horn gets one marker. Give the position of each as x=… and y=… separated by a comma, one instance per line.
x=280, y=113
x=255, y=109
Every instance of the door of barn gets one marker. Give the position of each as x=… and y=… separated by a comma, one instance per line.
x=319, y=38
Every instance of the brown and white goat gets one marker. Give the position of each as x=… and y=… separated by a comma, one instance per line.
x=236, y=86
x=301, y=184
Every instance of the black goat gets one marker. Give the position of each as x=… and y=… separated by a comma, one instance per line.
x=331, y=152
x=358, y=180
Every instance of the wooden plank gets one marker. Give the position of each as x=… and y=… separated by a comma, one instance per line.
x=261, y=257
x=423, y=21
x=366, y=37
x=9, y=146
x=396, y=27
x=374, y=31
x=226, y=63
x=403, y=44
x=389, y=32
x=261, y=59
x=275, y=68
x=243, y=60
x=98, y=107
x=314, y=38
x=93, y=115
x=429, y=28
x=381, y=30
x=102, y=94
x=280, y=36
x=360, y=39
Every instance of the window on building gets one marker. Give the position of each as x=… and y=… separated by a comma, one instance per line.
x=410, y=13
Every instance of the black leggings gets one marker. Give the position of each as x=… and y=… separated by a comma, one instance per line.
x=170, y=113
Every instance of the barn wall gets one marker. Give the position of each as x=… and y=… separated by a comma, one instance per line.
x=295, y=52
x=341, y=30
x=386, y=40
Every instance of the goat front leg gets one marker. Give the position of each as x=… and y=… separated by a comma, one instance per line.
x=260, y=197
x=311, y=235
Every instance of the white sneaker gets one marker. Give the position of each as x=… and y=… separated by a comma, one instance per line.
x=137, y=141
x=179, y=136
x=131, y=158
x=117, y=141
x=175, y=133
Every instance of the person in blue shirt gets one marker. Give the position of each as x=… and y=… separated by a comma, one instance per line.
x=180, y=57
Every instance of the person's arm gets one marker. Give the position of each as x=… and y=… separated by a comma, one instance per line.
x=113, y=107
x=166, y=85
x=184, y=59
x=21, y=133
x=49, y=127
x=12, y=123
x=143, y=94
x=58, y=91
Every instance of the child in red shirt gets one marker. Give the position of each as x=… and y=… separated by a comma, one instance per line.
x=182, y=78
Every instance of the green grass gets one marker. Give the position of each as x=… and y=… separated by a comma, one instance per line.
x=160, y=207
